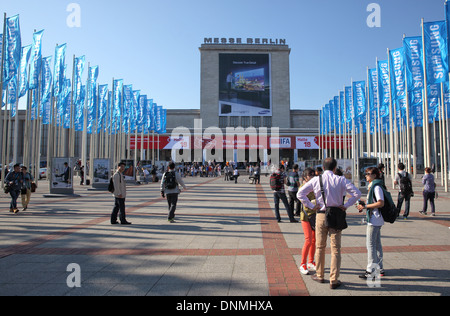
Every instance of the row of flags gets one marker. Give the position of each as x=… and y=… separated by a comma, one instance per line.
x=70, y=103
x=415, y=74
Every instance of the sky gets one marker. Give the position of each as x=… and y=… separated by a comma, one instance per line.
x=154, y=44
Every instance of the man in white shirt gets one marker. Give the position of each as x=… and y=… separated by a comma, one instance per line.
x=335, y=188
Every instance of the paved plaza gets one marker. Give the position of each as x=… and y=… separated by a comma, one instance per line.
x=225, y=242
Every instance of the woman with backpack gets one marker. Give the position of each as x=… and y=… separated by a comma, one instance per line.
x=375, y=201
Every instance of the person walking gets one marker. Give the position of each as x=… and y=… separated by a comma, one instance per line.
x=170, y=187
x=277, y=182
x=403, y=180
x=334, y=188
x=26, y=187
x=120, y=193
x=429, y=192
x=236, y=174
x=293, y=181
x=375, y=200
x=14, y=180
x=307, y=218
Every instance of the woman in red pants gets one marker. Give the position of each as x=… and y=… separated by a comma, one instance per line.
x=307, y=218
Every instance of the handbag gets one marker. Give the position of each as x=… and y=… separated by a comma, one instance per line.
x=7, y=188
x=33, y=187
x=334, y=217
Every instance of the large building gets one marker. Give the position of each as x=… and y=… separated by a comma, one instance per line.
x=246, y=83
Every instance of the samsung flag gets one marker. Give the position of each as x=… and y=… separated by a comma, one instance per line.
x=23, y=88
x=359, y=97
x=58, y=73
x=36, y=60
x=78, y=72
x=13, y=48
x=397, y=63
x=436, y=62
x=414, y=62
x=383, y=87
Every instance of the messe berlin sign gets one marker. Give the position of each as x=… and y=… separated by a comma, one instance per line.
x=248, y=41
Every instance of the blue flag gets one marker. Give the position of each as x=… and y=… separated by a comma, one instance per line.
x=79, y=111
x=359, y=97
x=92, y=98
x=398, y=82
x=77, y=83
x=58, y=72
x=127, y=107
x=117, y=104
x=23, y=88
x=135, y=99
x=46, y=86
x=414, y=62
x=36, y=60
x=142, y=107
x=102, y=107
x=383, y=87
x=436, y=51
x=349, y=104
x=13, y=48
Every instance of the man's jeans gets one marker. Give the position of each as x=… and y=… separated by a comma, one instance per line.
x=402, y=198
x=172, y=199
x=119, y=207
x=277, y=196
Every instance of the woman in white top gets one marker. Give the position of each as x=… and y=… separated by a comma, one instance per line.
x=374, y=223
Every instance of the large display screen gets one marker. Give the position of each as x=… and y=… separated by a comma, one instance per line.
x=244, y=85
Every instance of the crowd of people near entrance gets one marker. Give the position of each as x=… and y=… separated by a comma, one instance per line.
x=319, y=197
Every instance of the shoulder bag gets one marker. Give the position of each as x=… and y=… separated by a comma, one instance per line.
x=334, y=217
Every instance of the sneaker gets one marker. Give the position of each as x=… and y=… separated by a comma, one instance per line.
x=171, y=220
x=366, y=275
x=311, y=266
x=381, y=272
x=304, y=270
x=423, y=213
x=432, y=214
x=16, y=210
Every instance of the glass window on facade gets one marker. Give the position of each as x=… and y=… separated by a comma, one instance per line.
x=256, y=121
x=267, y=121
x=245, y=121
x=223, y=121
x=234, y=121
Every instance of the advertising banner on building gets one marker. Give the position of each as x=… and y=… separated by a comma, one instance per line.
x=245, y=85
x=307, y=142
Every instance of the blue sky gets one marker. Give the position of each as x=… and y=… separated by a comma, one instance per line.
x=153, y=44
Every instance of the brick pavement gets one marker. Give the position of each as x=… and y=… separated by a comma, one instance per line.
x=225, y=242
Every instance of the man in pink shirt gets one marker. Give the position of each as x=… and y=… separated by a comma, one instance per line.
x=335, y=188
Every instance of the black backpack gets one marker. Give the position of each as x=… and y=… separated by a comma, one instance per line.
x=111, y=185
x=389, y=211
x=170, y=180
x=405, y=185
